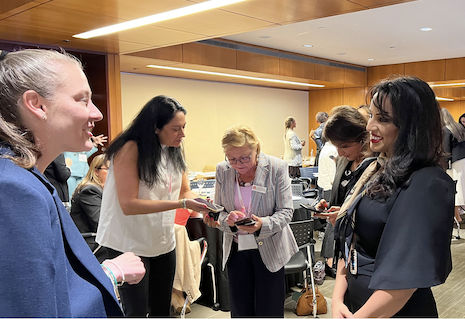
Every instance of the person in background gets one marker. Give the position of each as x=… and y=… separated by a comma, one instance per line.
x=454, y=146
x=292, y=147
x=364, y=110
x=87, y=199
x=147, y=181
x=254, y=185
x=462, y=119
x=47, y=269
x=78, y=163
x=57, y=174
x=346, y=129
x=395, y=237
x=317, y=135
x=327, y=169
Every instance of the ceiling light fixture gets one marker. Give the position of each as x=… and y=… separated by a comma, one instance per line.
x=234, y=76
x=195, y=8
x=447, y=84
x=307, y=45
x=426, y=29
x=370, y=59
x=444, y=99
x=264, y=36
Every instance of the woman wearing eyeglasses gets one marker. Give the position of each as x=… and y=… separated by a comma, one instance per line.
x=250, y=184
x=87, y=198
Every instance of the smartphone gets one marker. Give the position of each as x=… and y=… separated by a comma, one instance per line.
x=245, y=222
x=312, y=209
x=212, y=207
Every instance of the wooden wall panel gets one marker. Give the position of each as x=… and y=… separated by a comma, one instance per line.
x=427, y=70
x=456, y=108
x=172, y=53
x=354, y=96
x=197, y=53
x=296, y=69
x=329, y=73
x=114, y=106
x=253, y=62
x=377, y=73
x=355, y=78
x=455, y=69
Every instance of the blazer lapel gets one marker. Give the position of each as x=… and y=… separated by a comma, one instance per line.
x=230, y=187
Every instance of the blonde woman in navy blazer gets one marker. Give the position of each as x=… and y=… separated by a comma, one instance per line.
x=256, y=274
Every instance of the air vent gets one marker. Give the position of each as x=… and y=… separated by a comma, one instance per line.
x=276, y=54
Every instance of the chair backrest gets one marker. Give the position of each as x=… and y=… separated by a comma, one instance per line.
x=310, y=172
x=302, y=231
x=209, y=183
x=297, y=189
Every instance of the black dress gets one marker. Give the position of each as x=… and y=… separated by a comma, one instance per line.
x=404, y=243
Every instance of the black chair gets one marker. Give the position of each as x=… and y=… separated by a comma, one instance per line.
x=299, y=263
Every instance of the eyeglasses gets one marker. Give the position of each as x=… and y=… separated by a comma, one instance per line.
x=242, y=160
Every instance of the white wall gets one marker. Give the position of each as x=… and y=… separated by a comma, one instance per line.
x=213, y=106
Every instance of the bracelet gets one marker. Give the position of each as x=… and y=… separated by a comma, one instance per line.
x=110, y=275
x=123, y=280
x=183, y=203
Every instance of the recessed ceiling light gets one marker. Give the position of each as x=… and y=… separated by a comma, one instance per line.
x=443, y=99
x=342, y=53
x=370, y=59
x=235, y=76
x=195, y=8
x=307, y=45
x=264, y=37
x=426, y=29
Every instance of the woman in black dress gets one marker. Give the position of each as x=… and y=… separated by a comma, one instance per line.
x=395, y=237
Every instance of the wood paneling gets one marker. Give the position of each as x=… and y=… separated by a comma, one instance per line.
x=172, y=53
x=114, y=106
x=354, y=96
x=202, y=54
x=355, y=78
x=455, y=108
x=296, y=69
x=329, y=73
x=253, y=62
x=427, y=70
x=455, y=69
x=377, y=73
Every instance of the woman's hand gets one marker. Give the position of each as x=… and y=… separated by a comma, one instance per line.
x=322, y=205
x=131, y=265
x=210, y=221
x=340, y=310
x=233, y=217
x=195, y=205
x=253, y=228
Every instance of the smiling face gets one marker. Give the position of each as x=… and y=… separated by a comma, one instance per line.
x=383, y=131
x=244, y=153
x=173, y=132
x=71, y=113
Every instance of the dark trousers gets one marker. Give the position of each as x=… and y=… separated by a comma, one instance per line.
x=254, y=291
x=153, y=294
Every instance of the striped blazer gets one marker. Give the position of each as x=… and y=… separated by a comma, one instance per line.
x=275, y=241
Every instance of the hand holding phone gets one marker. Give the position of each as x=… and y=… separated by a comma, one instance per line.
x=245, y=222
x=211, y=206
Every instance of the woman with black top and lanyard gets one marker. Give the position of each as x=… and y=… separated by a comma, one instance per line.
x=346, y=129
x=395, y=236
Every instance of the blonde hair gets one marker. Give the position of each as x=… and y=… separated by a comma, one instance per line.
x=288, y=122
x=91, y=176
x=240, y=135
x=20, y=71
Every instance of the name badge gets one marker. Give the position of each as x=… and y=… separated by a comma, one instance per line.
x=260, y=189
x=168, y=219
x=82, y=158
x=246, y=242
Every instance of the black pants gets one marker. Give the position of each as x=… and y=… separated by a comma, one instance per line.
x=254, y=291
x=153, y=294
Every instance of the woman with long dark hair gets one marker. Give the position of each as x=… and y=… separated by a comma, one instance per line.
x=395, y=236
x=146, y=183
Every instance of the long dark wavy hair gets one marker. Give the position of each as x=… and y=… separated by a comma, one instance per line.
x=416, y=113
x=154, y=115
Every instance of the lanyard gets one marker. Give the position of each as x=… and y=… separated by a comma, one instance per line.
x=241, y=201
x=168, y=174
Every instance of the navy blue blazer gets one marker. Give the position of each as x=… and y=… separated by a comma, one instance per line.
x=46, y=267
